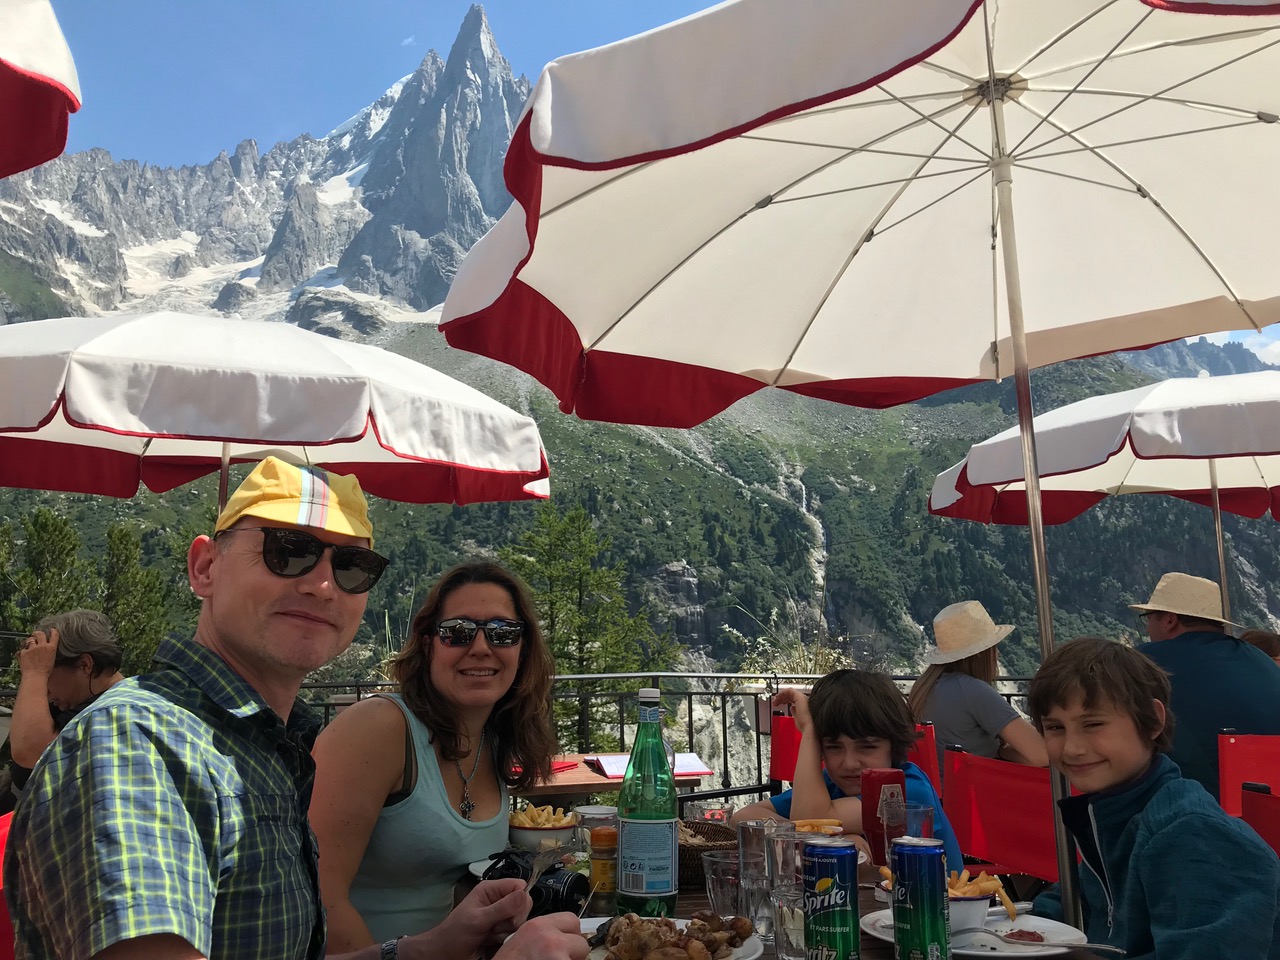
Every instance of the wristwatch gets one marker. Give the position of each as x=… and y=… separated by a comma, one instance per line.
x=391, y=949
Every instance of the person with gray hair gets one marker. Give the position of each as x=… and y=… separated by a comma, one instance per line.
x=69, y=659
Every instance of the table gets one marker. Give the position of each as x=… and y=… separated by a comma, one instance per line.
x=583, y=781
x=873, y=948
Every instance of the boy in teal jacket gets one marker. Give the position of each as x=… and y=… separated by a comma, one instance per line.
x=1166, y=874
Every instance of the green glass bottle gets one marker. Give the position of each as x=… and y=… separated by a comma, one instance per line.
x=648, y=844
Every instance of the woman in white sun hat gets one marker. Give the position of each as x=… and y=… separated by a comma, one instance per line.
x=955, y=692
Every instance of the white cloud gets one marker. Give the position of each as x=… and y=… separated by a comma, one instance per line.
x=408, y=41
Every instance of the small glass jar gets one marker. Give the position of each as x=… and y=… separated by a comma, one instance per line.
x=604, y=871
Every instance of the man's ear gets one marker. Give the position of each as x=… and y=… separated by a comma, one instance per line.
x=1160, y=718
x=200, y=559
x=85, y=664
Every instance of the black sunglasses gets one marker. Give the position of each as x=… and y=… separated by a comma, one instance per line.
x=292, y=553
x=460, y=631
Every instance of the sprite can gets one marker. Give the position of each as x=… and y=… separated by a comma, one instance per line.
x=920, y=904
x=831, y=900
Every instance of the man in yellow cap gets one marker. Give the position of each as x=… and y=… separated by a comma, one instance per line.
x=169, y=819
x=1218, y=682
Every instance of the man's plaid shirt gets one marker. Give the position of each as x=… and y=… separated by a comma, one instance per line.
x=176, y=803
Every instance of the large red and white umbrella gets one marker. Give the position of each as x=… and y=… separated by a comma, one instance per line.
x=100, y=406
x=811, y=195
x=1210, y=440
x=38, y=85
x=820, y=195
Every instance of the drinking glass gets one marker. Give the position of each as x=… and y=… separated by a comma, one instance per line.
x=786, y=856
x=713, y=811
x=787, y=900
x=722, y=872
x=919, y=820
x=754, y=837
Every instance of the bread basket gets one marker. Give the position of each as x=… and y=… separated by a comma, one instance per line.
x=708, y=836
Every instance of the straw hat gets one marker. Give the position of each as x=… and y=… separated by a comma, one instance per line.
x=963, y=629
x=1187, y=595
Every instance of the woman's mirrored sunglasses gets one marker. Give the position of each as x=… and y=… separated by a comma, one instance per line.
x=460, y=631
x=292, y=553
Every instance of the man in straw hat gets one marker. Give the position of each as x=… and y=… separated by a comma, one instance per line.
x=1218, y=682
x=168, y=820
x=956, y=693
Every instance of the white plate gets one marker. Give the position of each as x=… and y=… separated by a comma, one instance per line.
x=880, y=926
x=750, y=949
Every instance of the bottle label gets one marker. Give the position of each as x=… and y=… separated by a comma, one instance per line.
x=604, y=874
x=647, y=857
x=650, y=714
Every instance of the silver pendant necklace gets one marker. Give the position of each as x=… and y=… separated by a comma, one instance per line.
x=467, y=805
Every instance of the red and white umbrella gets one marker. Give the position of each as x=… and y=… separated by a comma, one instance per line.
x=819, y=195
x=100, y=406
x=38, y=85
x=1210, y=440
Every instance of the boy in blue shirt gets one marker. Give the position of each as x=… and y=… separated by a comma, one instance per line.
x=852, y=721
x=1165, y=872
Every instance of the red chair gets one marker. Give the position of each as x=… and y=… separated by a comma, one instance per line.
x=1245, y=757
x=784, y=748
x=924, y=754
x=6, y=923
x=1002, y=813
x=1262, y=812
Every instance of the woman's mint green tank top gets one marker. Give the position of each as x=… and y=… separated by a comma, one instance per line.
x=419, y=849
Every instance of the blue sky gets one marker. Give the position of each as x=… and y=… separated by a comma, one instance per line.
x=175, y=81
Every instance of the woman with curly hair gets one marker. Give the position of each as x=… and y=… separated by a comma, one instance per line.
x=411, y=787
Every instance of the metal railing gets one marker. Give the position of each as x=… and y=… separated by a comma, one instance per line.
x=727, y=697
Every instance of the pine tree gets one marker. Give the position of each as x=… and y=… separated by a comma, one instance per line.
x=583, y=613
x=134, y=598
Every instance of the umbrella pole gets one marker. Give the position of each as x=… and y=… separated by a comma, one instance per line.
x=1222, y=549
x=224, y=474
x=1002, y=167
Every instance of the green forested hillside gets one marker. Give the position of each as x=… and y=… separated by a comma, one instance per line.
x=784, y=511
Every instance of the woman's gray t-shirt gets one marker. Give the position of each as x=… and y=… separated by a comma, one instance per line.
x=967, y=712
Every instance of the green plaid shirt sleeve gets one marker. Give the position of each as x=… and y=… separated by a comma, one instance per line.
x=112, y=847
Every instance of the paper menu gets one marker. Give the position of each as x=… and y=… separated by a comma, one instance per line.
x=614, y=765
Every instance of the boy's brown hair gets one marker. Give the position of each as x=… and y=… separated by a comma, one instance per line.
x=1098, y=669
x=859, y=704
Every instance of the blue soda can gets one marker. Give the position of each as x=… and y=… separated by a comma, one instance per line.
x=921, y=908
x=831, y=900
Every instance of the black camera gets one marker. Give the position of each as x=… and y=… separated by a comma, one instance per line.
x=557, y=890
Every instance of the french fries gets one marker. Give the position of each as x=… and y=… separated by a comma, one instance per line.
x=959, y=884
x=888, y=877
x=542, y=818
x=825, y=825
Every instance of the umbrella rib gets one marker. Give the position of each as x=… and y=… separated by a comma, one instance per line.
x=1032, y=155
x=950, y=193
x=930, y=118
x=981, y=168
x=759, y=205
x=1177, y=101
x=599, y=186
x=858, y=104
x=1173, y=221
x=857, y=247
x=1067, y=96
x=1072, y=176
x=1021, y=70
x=1149, y=48
x=1143, y=98
x=911, y=155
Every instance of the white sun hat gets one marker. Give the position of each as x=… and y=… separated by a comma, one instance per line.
x=1186, y=595
x=963, y=629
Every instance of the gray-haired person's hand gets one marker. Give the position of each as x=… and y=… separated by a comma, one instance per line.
x=39, y=653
